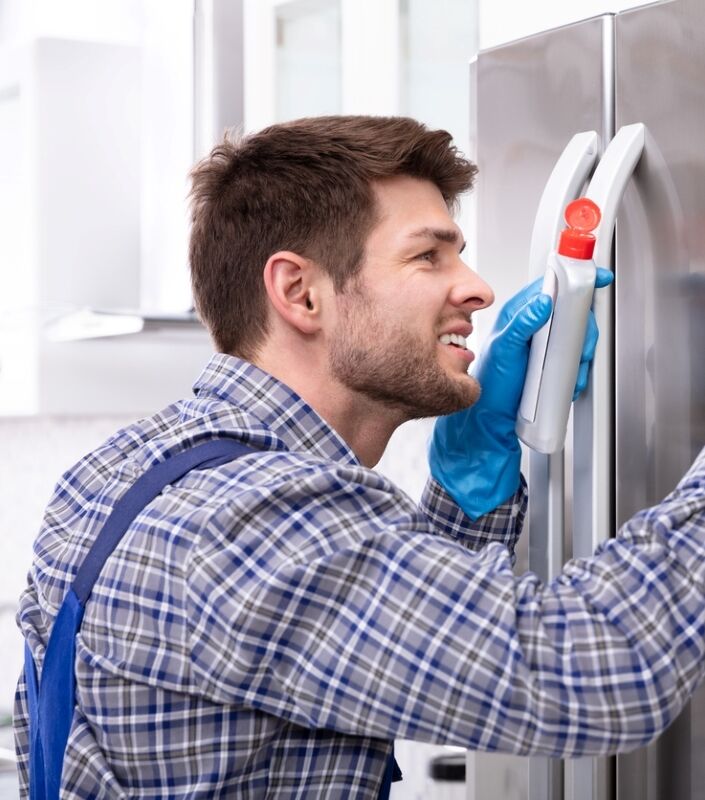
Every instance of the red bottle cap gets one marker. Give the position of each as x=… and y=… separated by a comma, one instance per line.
x=576, y=241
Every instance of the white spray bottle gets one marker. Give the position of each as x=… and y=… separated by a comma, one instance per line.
x=554, y=359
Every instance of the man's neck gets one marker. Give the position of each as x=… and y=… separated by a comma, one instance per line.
x=365, y=424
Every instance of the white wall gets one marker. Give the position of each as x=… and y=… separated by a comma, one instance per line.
x=36, y=452
x=503, y=21
x=115, y=21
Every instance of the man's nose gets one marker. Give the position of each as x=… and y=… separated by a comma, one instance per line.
x=470, y=290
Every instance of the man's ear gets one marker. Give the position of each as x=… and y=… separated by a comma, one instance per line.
x=291, y=283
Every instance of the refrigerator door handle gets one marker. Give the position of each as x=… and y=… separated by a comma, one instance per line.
x=607, y=185
x=547, y=473
x=593, y=417
x=564, y=184
x=593, y=413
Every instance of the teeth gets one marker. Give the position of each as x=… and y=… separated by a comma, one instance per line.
x=453, y=338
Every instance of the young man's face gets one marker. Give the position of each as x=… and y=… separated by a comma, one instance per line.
x=413, y=296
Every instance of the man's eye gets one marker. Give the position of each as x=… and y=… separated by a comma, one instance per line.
x=429, y=255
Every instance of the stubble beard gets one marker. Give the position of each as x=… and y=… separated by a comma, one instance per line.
x=394, y=367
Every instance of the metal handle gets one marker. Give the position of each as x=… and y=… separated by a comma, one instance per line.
x=547, y=473
x=593, y=417
x=563, y=185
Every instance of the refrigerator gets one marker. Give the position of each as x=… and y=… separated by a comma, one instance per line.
x=635, y=78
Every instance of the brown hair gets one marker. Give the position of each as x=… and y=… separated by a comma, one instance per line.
x=303, y=186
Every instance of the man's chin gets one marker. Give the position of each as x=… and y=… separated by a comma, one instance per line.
x=456, y=395
x=468, y=392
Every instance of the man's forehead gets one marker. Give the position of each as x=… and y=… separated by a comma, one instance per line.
x=410, y=209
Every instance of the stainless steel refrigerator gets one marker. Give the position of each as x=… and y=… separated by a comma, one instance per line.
x=643, y=420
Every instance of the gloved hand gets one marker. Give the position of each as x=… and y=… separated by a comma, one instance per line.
x=475, y=453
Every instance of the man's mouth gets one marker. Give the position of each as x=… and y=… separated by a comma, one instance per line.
x=454, y=339
x=457, y=343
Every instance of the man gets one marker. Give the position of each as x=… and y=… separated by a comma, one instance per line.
x=268, y=627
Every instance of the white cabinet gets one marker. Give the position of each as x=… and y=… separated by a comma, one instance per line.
x=70, y=183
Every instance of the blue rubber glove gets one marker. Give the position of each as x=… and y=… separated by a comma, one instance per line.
x=475, y=453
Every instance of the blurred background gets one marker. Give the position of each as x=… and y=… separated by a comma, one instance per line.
x=104, y=107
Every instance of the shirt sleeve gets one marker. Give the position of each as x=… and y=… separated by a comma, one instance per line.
x=21, y=729
x=503, y=525
x=378, y=627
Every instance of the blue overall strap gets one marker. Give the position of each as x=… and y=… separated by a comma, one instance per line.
x=392, y=774
x=36, y=758
x=51, y=706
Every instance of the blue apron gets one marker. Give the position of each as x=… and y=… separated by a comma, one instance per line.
x=51, y=702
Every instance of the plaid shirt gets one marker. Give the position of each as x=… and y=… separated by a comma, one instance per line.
x=268, y=627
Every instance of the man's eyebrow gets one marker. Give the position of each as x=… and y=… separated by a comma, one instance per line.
x=448, y=235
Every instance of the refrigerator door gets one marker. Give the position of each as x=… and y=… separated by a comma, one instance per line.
x=660, y=317
x=528, y=100
x=552, y=86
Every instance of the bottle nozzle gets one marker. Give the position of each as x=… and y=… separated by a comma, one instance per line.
x=576, y=241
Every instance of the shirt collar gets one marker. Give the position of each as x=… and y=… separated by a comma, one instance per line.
x=274, y=404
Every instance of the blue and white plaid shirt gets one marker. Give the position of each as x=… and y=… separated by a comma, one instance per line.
x=268, y=627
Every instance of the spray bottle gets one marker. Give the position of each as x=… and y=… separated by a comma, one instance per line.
x=554, y=359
